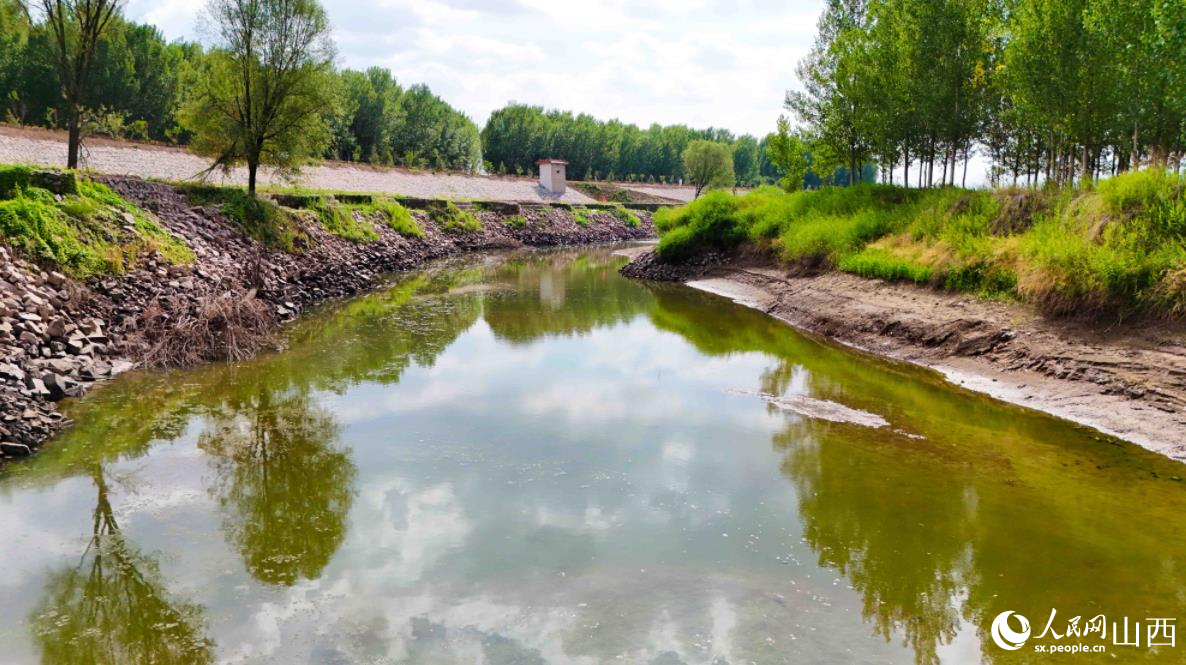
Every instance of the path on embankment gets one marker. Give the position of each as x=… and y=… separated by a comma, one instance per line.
x=19, y=145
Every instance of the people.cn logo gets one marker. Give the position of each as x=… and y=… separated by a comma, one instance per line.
x=1005, y=637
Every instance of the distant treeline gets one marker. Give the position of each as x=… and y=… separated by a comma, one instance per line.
x=1048, y=90
x=138, y=84
x=517, y=135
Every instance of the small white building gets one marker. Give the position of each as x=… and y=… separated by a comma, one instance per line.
x=552, y=175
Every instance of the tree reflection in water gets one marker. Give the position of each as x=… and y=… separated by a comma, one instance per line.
x=112, y=608
x=902, y=544
x=284, y=487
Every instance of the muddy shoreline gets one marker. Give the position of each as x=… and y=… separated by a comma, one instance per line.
x=1126, y=381
x=59, y=336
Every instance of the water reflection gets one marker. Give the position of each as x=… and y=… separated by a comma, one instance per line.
x=962, y=508
x=560, y=294
x=284, y=486
x=532, y=460
x=112, y=608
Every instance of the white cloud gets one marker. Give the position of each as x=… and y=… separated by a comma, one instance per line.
x=696, y=62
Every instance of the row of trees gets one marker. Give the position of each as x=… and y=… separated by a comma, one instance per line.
x=517, y=135
x=78, y=65
x=1048, y=90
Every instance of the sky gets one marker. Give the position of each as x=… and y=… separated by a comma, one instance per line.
x=702, y=63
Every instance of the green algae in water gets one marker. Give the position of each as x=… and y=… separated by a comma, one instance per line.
x=533, y=460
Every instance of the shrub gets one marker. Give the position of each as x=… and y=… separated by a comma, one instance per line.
x=709, y=222
x=828, y=238
x=581, y=216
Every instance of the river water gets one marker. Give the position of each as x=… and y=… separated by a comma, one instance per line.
x=533, y=460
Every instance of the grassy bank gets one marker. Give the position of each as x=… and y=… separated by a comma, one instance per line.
x=87, y=230
x=276, y=226
x=1116, y=249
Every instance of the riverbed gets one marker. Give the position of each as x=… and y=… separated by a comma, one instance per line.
x=527, y=458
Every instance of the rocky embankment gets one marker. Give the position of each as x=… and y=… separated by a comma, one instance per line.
x=59, y=336
x=1128, y=380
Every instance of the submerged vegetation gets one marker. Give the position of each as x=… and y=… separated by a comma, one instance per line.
x=92, y=232
x=1117, y=248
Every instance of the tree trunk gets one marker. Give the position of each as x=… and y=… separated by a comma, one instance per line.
x=964, y=180
x=906, y=167
x=74, y=131
x=253, y=168
x=1134, y=161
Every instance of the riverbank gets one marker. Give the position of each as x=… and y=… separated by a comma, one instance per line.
x=1126, y=381
x=59, y=335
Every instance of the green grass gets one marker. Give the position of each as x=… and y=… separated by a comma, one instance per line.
x=260, y=218
x=1112, y=250
x=515, y=222
x=96, y=232
x=626, y=216
x=878, y=264
x=341, y=221
x=581, y=216
x=397, y=217
x=454, y=220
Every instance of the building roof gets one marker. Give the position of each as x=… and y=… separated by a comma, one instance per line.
x=552, y=161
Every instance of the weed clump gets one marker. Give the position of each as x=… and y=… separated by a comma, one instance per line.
x=625, y=216
x=341, y=221
x=399, y=219
x=581, y=216
x=516, y=222
x=453, y=219
x=879, y=264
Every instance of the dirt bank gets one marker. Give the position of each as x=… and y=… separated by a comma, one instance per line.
x=1127, y=381
x=58, y=335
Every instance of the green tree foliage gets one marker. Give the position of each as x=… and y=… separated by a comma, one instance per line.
x=788, y=154
x=14, y=36
x=708, y=165
x=746, y=160
x=265, y=87
x=1048, y=90
x=139, y=83
x=430, y=134
x=74, y=29
x=517, y=135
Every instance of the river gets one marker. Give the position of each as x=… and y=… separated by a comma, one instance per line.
x=527, y=458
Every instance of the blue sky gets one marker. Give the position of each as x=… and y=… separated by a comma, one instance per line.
x=696, y=62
